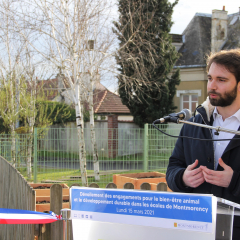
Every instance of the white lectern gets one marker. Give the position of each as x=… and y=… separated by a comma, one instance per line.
x=116, y=214
x=224, y=219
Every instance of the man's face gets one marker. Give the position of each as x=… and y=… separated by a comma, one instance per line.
x=222, y=86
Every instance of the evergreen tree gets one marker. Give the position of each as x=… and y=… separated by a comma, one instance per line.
x=146, y=58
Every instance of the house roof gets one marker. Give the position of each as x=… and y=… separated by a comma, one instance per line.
x=233, y=37
x=197, y=42
x=50, y=87
x=106, y=102
x=197, y=39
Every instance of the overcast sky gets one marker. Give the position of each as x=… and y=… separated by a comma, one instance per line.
x=186, y=9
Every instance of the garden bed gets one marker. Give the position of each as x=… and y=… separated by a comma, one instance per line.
x=42, y=191
x=138, y=178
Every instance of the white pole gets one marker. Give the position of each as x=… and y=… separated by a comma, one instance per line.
x=66, y=217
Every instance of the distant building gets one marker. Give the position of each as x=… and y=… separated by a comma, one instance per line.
x=107, y=105
x=205, y=33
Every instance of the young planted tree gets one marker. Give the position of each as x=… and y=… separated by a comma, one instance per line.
x=62, y=33
x=18, y=92
x=12, y=48
x=147, y=83
x=21, y=101
x=37, y=112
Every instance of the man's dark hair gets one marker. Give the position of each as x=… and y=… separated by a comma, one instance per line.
x=230, y=59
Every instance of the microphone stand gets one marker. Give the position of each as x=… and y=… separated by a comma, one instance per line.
x=217, y=129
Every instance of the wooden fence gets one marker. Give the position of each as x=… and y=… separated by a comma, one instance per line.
x=15, y=193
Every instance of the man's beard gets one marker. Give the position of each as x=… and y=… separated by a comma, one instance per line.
x=225, y=100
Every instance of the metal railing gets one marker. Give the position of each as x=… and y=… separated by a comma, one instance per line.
x=55, y=152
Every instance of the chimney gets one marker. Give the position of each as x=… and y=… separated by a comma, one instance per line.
x=219, y=29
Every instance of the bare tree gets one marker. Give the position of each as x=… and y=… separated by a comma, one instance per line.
x=12, y=48
x=18, y=67
x=61, y=34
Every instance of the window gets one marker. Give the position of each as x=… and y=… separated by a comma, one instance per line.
x=190, y=101
x=189, y=98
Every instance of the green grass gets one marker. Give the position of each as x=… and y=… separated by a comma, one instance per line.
x=54, y=174
x=131, y=157
x=58, y=154
x=62, y=175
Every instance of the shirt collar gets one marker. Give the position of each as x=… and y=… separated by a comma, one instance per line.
x=236, y=114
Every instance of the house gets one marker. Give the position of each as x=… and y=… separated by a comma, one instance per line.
x=107, y=105
x=204, y=34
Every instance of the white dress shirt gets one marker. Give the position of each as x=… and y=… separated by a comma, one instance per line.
x=232, y=123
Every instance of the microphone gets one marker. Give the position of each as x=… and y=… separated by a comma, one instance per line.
x=185, y=114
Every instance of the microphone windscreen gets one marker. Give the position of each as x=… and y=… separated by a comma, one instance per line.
x=188, y=114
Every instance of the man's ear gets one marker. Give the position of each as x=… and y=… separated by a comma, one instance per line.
x=238, y=86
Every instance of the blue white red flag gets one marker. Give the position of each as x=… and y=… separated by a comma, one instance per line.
x=16, y=216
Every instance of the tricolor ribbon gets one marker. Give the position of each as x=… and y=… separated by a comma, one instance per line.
x=16, y=216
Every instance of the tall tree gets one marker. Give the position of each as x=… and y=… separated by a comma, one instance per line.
x=147, y=83
x=72, y=37
x=19, y=68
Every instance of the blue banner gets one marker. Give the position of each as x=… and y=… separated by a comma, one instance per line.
x=188, y=207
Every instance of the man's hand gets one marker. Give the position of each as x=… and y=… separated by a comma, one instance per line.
x=193, y=177
x=219, y=178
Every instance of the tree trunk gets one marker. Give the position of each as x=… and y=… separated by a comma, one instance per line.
x=29, y=151
x=13, y=145
x=29, y=158
x=93, y=135
x=82, y=150
x=95, y=152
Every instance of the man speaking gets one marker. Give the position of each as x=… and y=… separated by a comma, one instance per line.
x=212, y=167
